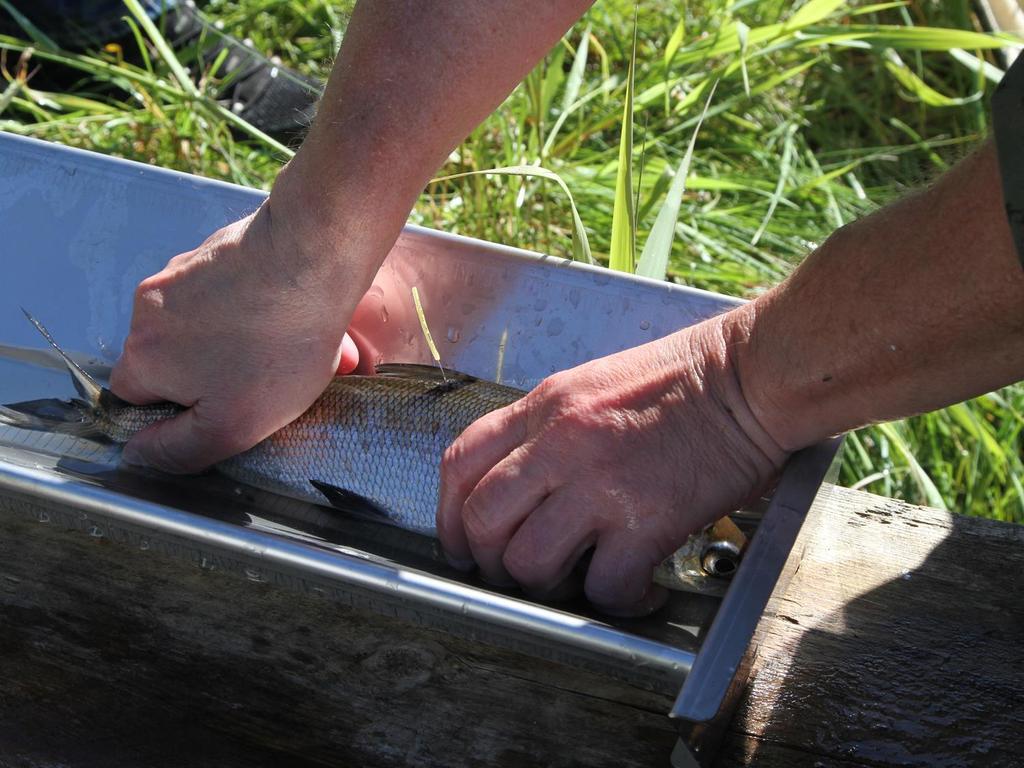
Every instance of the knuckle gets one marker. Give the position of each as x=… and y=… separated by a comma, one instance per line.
x=453, y=462
x=528, y=569
x=610, y=588
x=148, y=292
x=482, y=528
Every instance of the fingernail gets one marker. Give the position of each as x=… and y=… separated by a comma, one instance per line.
x=349, y=356
x=459, y=563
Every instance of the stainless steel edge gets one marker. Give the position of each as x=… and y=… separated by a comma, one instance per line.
x=79, y=231
x=393, y=585
x=726, y=643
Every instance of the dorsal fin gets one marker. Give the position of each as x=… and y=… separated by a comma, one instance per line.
x=86, y=385
x=429, y=372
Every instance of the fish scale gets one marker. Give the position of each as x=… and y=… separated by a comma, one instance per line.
x=379, y=437
x=369, y=444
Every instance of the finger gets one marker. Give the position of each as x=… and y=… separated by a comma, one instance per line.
x=619, y=579
x=181, y=445
x=126, y=384
x=479, y=448
x=545, y=549
x=349, y=356
x=498, y=505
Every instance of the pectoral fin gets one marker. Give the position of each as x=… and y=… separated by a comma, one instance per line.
x=349, y=501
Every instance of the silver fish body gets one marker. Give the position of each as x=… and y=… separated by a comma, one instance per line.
x=373, y=441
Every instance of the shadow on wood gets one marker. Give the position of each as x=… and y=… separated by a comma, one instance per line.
x=899, y=641
x=113, y=656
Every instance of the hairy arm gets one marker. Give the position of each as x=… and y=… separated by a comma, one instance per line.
x=246, y=330
x=915, y=307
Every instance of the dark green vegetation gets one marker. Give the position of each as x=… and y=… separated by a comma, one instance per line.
x=822, y=112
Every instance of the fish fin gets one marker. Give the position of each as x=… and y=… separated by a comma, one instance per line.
x=350, y=501
x=47, y=358
x=51, y=415
x=432, y=372
x=86, y=385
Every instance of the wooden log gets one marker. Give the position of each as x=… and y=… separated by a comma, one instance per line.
x=896, y=642
x=899, y=640
x=115, y=656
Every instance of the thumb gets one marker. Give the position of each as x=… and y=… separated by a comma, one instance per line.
x=178, y=446
x=126, y=385
x=349, y=356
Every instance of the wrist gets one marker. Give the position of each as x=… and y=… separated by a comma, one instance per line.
x=720, y=342
x=800, y=385
x=321, y=234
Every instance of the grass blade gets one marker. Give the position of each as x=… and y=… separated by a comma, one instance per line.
x=921, y=478
x=580, y=241
x=654, y=259
x=162, y=47
x=37, y=35
x=742, y=30
x=579, y=66
x=784, y=167
x=622, y=253
x=920, y=89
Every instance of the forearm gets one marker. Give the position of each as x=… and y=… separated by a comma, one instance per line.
x=913, y=308
x=412, y=79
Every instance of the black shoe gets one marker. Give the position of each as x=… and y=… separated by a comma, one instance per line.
x=269, y=96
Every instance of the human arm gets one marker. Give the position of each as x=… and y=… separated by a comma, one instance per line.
x=918, y=306
x=914, y=307
x=246, y=329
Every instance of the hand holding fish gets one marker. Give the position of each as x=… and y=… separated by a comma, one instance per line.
x=626, y=455
x=239, y=333
x=246, y=329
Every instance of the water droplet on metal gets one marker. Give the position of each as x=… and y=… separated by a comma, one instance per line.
x=645, y=325
x=144, y=544
x=96, y=532
x=43, y=517
x=384, y=314
x=453, y=334
x=555, y=326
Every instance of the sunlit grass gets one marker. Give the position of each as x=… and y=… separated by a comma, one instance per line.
x=822, y=112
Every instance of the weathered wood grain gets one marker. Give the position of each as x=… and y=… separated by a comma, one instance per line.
x=899, y=640
x=114, y=656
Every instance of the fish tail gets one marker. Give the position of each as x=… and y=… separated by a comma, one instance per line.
x=51, y=415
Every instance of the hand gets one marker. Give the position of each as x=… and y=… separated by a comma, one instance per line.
x=244, y=331
x=627, y=455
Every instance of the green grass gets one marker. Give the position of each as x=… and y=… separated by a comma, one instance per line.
x=822, y=112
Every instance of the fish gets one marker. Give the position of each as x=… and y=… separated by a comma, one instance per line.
x=371, y=445
x=368, y=444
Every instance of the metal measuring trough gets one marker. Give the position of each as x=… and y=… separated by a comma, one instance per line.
x=79, y=230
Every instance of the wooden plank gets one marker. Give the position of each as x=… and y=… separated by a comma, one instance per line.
x=899, y=640
x=109, y=653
